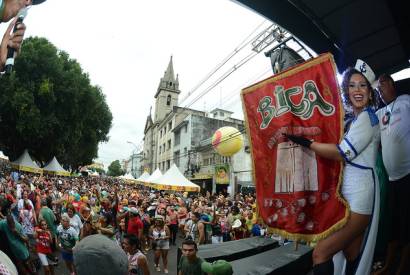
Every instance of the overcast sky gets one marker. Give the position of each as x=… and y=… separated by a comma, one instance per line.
x=125, y=47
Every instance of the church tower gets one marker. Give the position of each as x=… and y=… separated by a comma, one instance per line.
x=167, y=93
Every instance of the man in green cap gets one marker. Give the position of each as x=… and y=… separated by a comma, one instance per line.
x=8, y=10
x=219, y=267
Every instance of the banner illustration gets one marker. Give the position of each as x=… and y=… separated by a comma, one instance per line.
x=297, y=191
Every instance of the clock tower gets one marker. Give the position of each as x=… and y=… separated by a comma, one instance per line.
x=167, y=93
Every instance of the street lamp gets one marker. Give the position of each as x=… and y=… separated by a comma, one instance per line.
x=132, y=157
x=136, y=148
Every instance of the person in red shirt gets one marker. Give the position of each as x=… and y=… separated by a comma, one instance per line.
x=135, y=225
x=43, y=246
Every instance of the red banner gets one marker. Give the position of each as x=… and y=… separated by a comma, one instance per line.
x=298, y=192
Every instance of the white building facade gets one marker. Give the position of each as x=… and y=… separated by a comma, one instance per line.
x=183, y=136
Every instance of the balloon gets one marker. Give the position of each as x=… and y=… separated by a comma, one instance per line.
x=227, y=141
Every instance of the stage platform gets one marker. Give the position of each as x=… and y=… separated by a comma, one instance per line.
x=259, y=256
x=279, y=261
x=234, y=250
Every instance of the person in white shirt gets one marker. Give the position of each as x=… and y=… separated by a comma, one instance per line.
x=75, y=220
x=395, y=139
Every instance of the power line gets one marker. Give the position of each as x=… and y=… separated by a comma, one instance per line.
x=223, y=77
x=223, y=62
x=219, y=80
x=229, y=96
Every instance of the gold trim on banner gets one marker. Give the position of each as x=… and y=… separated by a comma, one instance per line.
x=296, y=236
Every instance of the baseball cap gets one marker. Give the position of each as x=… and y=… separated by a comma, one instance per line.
x=36, y=2
x=97, y=254
x=219, y=267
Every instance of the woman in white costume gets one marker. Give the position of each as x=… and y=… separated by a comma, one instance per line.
x=358, y=150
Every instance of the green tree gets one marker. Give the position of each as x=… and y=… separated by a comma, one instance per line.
x=114, y=169
x=49, y=106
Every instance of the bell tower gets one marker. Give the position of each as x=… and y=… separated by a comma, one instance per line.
x=167, y=93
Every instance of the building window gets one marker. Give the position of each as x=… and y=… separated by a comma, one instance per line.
x=169, y=144
x=160, y=134
x=170, y=125
x=185, y=128
x=168, y=100
x=165, y=129
x=177, y=137
x=168, y=164
x=176, y=158
x=221, y=113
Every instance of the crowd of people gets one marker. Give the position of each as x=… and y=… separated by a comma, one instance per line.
x=93, y=219
x=42, y=216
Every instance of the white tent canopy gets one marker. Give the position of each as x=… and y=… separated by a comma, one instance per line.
x=25, y=163
x=95, y=174
x=156, y=175
x=150, y=180
x=127, y=176
x=3, y=156
x=173, y=179
x=54, y=167
x=144, y=176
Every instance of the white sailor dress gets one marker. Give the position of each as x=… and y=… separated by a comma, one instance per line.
x=360, y=185
x=359, y=150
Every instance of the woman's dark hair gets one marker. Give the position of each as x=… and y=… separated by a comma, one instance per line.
x=133, y=240
x=107, y=218
x=70, y=206
x=347, y=75
x=160, y=221
x=197, y=215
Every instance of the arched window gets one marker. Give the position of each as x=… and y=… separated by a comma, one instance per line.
x=168, y=100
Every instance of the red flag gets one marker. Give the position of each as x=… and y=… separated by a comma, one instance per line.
x=298, y=192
